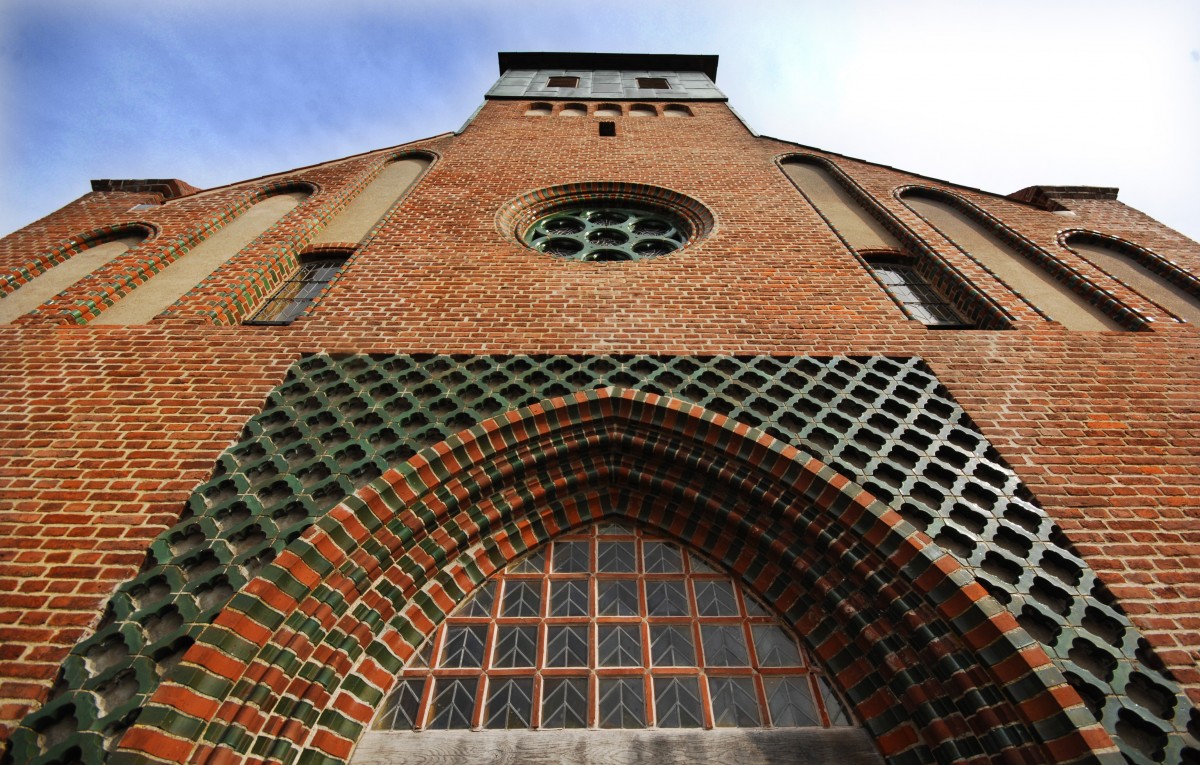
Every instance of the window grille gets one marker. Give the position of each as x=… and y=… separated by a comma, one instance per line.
x=600, y=233
x=610, y=627
x=296, y=294
x=923, y=303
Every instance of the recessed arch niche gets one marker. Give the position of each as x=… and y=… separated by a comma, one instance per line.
x=1164, y=282
x=359, y=217
x=1074, y=308
x=883, y=608
x=68, y=265
x=183, y=274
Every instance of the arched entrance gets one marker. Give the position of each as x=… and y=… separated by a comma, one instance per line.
x=300, y=660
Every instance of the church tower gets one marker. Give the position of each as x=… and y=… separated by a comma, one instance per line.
x=602, y=428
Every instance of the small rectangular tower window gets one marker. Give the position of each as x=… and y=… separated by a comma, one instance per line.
x=563, y=82
x=608, y=128
x=653, y=83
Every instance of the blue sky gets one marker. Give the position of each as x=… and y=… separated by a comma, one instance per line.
x=988, y=94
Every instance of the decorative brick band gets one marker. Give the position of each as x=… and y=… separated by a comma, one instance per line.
x=300, y=659
x=1060, y=271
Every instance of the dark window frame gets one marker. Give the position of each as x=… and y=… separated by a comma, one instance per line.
x=652, y=83
x=904, y=282
x=562, y=81
x=314, y=274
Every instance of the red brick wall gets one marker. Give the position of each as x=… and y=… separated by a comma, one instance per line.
x=104, y=432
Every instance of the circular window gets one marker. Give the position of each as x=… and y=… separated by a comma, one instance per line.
x=605, y=233
x=605, y=221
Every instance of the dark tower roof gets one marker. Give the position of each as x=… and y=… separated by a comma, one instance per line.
x=674, y=62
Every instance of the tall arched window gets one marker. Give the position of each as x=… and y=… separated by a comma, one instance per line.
x=909, y=276
x=611, y=627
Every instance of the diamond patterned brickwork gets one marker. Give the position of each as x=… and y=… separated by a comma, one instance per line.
x=933, y=668
x=336, y=424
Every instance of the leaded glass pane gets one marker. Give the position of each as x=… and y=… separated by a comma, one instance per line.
x=510, y=703
x=420, y=659
x=716, y=598
x=620, y=645
x=616, y=557
x=402, y=705
x=677, y=702
x=480, y=602
x=622, y=702
x=666, y=598
x=833, y=705
x=453, y=702
x=572, y=557
x=774, y=647
x=534, y=563
x=617, y=597
x=515, y=646
x=464, y=646
x=753, y=608
x=734, y=703
x=611, y=528
x=791, y=703
x=569, y=597
x=564, y=702
x=671, y=646
x=567, y=646
x=662, y=558
x=699, y=566
x=724, y=646
x=521, y=598
x=295, y=295
x=909, y=287
x=642, y=663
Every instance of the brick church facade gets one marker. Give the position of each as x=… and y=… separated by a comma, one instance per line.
x=334, y=465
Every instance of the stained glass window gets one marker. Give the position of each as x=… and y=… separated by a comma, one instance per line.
x=612, y=627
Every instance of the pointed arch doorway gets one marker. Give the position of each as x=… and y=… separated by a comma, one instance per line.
x=299, y=662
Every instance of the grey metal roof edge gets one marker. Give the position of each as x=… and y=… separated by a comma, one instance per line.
x=679, y=62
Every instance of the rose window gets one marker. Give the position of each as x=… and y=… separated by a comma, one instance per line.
x=602, y=233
